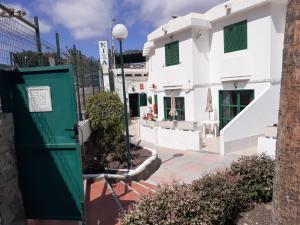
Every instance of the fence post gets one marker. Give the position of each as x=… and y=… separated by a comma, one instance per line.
x=57, y=47
x=38, y=40
x=77, y=81
x=82, y=78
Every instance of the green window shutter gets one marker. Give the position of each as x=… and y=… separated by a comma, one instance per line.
x=172, y=53
x=168, y=54
x=235, y=37
x=143, y=99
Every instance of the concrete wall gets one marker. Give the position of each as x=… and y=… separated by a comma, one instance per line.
x=253, y=61
x=180, y=74
x=11, y=205
x=242, y=132
x=172, y=138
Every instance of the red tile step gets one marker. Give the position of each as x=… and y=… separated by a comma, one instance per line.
x=125, y=194
x=149, y=185
x=140, y=188
x=102, y=207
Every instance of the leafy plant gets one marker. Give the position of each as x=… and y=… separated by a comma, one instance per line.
x=215, y=199
x=105, y=111
x=256, y=177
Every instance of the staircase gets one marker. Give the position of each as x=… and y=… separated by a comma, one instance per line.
x=105, y=200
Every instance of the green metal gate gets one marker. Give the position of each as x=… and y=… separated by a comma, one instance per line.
x=43, y=103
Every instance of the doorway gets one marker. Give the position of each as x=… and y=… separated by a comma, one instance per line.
x=231, y=103
x=134, y=105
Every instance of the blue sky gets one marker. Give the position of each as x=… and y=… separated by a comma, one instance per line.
x=84, y=22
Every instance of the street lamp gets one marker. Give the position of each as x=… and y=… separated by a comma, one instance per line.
x=120, y=33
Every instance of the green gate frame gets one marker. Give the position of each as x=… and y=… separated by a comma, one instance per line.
x=49, y=157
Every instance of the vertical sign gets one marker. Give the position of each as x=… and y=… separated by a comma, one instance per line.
x=103, y=52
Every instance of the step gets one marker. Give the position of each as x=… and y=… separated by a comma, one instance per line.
x=101, y=204
x=140, y=188
x=149, y=185
x=125, y=194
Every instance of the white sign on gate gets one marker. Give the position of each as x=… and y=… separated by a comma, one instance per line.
x=39, y=99
x=103, y=52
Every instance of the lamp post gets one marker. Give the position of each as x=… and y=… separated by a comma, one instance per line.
x=120, y=33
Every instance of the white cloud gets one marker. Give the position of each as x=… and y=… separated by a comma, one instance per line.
x=85, y=19
x=45, y=27
x=159, y=12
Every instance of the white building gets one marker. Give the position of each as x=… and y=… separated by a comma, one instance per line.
x=136, y=89
x=235, y=49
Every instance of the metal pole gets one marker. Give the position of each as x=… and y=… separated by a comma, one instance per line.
x=57, y=47
x=82, y=78
x=77, y=82
x=125, y=109
x=38, y=40
x=92, y=75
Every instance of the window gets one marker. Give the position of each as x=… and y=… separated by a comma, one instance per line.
x=232, y=103
x=172, y=53
x=179, y=108
x=235, y=37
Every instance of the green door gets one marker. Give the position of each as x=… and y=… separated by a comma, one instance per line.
x=49, y=159
x=232, y=102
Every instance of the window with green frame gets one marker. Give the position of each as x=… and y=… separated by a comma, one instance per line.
x=172, y=53
x=179, y=108
x=235, y=37
x=232, y=102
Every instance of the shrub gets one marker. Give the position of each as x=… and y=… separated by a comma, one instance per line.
x=105, y=111
x=256, y=177
x=212, y=200
x=215, y=199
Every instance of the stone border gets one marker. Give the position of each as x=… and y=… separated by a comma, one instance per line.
x=142, y=172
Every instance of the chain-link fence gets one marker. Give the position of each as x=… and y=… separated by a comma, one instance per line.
x=22, y=46
x=20, y=42
x=86, y=71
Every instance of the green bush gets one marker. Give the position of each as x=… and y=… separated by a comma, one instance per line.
x=256, y=177
x=105, y=111
x=214, y=199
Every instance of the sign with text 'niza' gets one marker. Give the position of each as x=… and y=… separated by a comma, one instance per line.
x=103, y=52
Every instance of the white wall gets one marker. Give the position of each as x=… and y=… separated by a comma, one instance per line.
x=278, y=14
x=180, y=74
x=171, y=138
x=255, y=60
x=200, y=56
x=251, y=122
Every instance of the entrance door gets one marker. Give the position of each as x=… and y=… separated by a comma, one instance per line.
x=49, y=159
x=232, y=103
x=134, y=105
